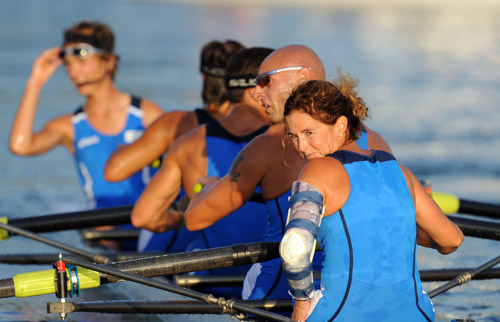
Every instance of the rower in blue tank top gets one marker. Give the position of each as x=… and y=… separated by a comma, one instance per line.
x=364, y=209
x=370, y=260
x=92, y=150
x=266, y=279
x=177, y=240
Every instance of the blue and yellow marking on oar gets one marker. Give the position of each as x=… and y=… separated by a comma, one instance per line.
x=42, y=282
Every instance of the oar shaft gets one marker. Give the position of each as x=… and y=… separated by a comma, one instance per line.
x=477, y=228
x=75, y=220
x=464, y=278
x=94, y=257
x=479, y=209
x=178, y=290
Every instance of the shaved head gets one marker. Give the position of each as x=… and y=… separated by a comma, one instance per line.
x=280, y=83
x=295, y=55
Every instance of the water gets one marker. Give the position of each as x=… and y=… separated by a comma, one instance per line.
x=429, y=73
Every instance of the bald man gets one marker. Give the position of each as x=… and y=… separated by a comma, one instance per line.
x=269, y=161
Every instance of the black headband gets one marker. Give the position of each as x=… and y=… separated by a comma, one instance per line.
x=241, y=82
x=213, y=71
x=77, y=37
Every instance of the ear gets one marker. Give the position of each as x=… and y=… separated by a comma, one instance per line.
x=341, y=126
x=304, y=75
x=203, y=77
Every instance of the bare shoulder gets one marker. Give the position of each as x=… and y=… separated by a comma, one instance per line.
x=151, y=111
x=376, y=141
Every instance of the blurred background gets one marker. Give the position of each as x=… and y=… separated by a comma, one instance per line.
x=428, y=70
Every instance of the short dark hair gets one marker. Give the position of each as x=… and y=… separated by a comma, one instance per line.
x=94, y=33
x=213, y=60
x=244, y=66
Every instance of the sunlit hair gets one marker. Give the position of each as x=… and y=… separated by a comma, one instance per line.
x=96, y=34
x=326, y=101
x=213, y=59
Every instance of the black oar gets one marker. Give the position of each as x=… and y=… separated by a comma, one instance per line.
x=97, y=258
x=44, y=259
x=75, y=220
x=21, y=285
x=464, y=278
x=163, y=307
x=451, y=204
x=208, y=298
x=477, y=228
x=431, y=275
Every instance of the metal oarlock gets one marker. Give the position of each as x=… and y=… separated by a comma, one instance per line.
x=61, y=282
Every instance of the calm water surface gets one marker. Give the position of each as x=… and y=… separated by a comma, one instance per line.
x=430, y=75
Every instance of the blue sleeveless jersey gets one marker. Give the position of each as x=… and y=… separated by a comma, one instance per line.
x=173, y=240
x=270, y=281
x=370, y=271
x=92, y=150
x=245, y=225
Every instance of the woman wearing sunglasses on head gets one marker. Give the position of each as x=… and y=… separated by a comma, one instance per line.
x=367, y=211
x=107, y=118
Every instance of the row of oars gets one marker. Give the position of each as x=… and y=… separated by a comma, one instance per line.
x=144, y=268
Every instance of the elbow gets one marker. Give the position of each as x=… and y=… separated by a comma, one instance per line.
x=453, y=244
x=191, y=223
x=17, y=149
x=113, y=171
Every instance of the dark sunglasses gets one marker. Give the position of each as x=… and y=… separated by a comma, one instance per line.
x=264, y=78
x=81, y=51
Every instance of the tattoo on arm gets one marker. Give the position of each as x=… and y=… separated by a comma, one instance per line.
x=233, y=173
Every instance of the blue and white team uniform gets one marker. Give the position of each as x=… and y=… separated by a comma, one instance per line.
x=92, y=150
x=245, y=225
x=173, y=240
x=266, y=280
x=370, y=270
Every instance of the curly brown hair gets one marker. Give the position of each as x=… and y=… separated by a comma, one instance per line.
x=326, y=101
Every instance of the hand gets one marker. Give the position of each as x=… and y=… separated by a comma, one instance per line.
x=300, y=310
x=45, y=65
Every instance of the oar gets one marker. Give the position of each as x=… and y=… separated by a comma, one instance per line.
x=477, y=228
x=44, y=259
x=71, y=220
x=431, y=275
x=464, y=278
x=163, y=307
x=97, y=258
x=42, y=282
x=451, y=204
x=208, y=298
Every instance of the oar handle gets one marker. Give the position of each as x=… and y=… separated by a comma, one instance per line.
x=451, y=204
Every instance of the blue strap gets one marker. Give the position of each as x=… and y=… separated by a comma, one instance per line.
x=297, y=276
x=312, y=196
x=301, y=294
x=304, y=224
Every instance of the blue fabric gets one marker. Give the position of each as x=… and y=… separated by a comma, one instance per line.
x=92, y=150
x=370, y=271
x=246, y=225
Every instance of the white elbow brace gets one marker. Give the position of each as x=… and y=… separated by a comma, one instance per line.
x=299, y=242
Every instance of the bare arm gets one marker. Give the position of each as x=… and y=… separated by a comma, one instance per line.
x=129, y=159
x=434, y=229
x=23, y=140
x=223, y=197
x=151, y=209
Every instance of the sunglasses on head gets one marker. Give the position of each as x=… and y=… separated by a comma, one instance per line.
x=264, y=78
x=82, y=51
